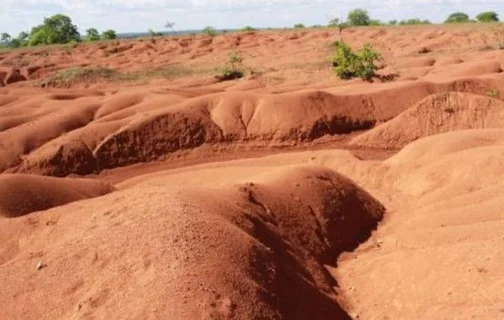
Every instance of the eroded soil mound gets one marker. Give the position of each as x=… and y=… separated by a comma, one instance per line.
x=256, y=238
x=87, y=131
x=23, y=194
x=444, y=232
x=436, y=114
x=250, y=250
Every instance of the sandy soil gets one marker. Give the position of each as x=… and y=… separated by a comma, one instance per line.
x=288, y=194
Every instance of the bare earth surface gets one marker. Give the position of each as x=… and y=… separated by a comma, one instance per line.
x=156, y=191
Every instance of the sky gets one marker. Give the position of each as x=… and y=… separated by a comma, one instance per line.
x=141, y=15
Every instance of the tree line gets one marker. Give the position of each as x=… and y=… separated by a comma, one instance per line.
x=57, y=29
x=360, y=17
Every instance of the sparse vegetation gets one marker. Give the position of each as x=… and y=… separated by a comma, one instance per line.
x=210, y=31
x=375, y=23
x=414, y=21
x=235, y=58
x=247, y=29
x=348, y=64
x=67, y=78
x=153, y=33
x=58, y=29
x=335, y=23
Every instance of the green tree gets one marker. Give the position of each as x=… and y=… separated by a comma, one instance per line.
x=488, y=16
x=358, y=17
x=170, y=25
x=5, y=38
x=334, y=22
x=392, y=22
x=109, y=35
x=15, y=43
x=38, y=36
x=20, y=41
x=457, y=17
x=92, y=34
x=23, y=36
x=299, y=26
x=56, y=29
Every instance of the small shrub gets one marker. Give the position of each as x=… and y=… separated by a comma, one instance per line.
x=234, y=68
x=367, y=57
x=109, y=35
x=92, y=34
x=235, y=58
x=153, y=33
x=348, y=64
x=493, y=93
x=230, y=74
x=210, y=31
x=248, y=29
x=414, y=21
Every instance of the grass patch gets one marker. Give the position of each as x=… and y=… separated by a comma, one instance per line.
x=167, y=72
x=67, y=78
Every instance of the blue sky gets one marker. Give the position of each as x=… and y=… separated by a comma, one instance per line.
x=141, y=15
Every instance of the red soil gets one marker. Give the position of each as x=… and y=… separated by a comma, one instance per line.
x=191, y=231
